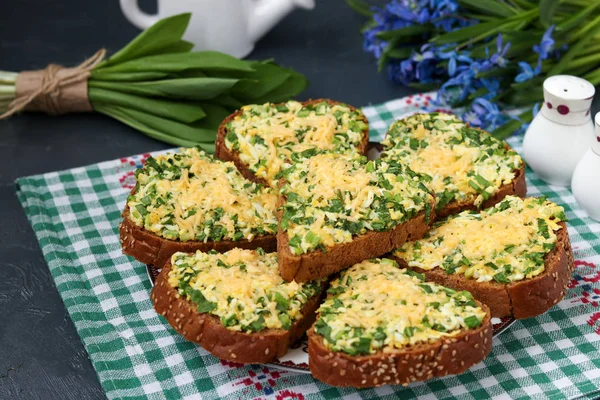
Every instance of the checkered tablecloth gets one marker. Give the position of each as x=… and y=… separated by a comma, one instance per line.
x=75, y=214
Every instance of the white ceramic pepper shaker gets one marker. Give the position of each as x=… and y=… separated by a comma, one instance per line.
x=586, y=178
x=562, y=131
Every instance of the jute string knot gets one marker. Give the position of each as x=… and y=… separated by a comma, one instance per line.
x=55, y=89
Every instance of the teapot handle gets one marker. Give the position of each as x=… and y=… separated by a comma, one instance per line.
x=137, y=17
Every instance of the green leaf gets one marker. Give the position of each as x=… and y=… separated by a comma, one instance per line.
x=577, y=19
x=399, y=52
x=361, y=7
x=184, y=88
x=265, y=78
x=510, y=127
x=490, y=7
x=215, y=114
x=181, y=111
x=547, y=10
x=295, y=84
x=228, y=101
x=163, y=34
x=101, y=75
x=475, y=33
x=147, y=124
x=574, y=51
x=424, y=86
x=203, y=60
x=413, y=30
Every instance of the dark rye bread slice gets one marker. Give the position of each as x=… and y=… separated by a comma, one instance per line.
x=517, y=187
x=447, y=356
x=149, y=248
x=319, y=264
x=207, y=330
x=223, y=153
x=523, y=299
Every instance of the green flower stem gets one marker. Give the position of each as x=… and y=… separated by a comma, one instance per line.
x=593, y=77
x=591, y=60
x=513, y=125
x=585, y=29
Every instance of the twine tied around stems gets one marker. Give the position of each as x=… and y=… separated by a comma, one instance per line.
x=54, y=90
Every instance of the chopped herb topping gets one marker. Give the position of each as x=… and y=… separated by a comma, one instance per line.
x=465, y=164
x=390, y=309
x=241, y=287
x=504, y=243
x=331, y=198
x=191, y=196
x=266, y=136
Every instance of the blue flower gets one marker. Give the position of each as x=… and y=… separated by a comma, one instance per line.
x=498, y=58
x=484, y=114
x=527, y=72
x=546, y=45
x=454, y=58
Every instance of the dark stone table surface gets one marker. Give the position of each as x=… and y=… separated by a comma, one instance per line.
x=41, y=355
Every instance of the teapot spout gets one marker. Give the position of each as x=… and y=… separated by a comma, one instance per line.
x=265, y=14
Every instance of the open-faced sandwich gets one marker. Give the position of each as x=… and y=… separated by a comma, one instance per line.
x=337, y=210
x=515, y=257
x=466, y=167
x=235, y=304
x=381, y=324
x=189, y=201
x=259, y=139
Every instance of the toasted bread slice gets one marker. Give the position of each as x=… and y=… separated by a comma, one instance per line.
x=338, y=210
x=531, y=295
x=188, y=201
x=340, y=140
x=381, y=325
x=148, y=248
x=189, y=317
x=466, y=167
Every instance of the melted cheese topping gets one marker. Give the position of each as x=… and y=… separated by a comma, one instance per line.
x=463, y=163
x=376, y=305
x=268, y=135
x=505, y=243
x=242, y=287
x=191, y=196
x=331, y=198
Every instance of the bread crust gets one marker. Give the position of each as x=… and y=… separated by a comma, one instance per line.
x=447, y=356
x=223, y=153
x=319, y=264
x=523, y=299
x=207, y=330
x=149, y=248
x=517, y=187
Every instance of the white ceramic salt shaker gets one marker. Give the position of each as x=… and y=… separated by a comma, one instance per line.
x=562, y=131
x=586, y=178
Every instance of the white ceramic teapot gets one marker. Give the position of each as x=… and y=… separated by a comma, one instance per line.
x=229, y=26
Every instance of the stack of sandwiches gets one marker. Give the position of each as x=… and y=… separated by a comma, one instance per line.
x=393, y=267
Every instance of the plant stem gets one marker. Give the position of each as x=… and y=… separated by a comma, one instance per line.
x=6, y=91
x=593, y=77
x=592, y=60
x=8, y=77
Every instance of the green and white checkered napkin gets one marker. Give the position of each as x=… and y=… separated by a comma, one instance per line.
x=75, y=215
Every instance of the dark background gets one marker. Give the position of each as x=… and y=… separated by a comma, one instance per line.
x=41, y=355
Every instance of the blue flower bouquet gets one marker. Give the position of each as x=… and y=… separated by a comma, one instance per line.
x=486, y=56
